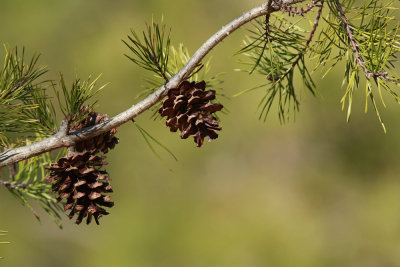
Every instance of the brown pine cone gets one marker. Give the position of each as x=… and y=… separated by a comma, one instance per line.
x=77, y=179
x=102, y=142
x=189, y=109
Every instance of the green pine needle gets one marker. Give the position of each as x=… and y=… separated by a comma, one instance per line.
x=24, y=106
x=277, y=58
x=151, y=52
x=376, y=33
x=30, y=184
x=78, y=95
x=147, y=136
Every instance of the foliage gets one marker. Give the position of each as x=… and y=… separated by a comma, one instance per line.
x=28, y=183
x=148, y=138
x=80, y=93
x=151, y=53
x=27, y=115
x=364, y=38
x=156, y=54
x=24, y=106
x=369, y=46
x=276, y=57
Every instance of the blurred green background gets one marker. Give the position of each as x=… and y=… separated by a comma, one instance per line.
x=316, y=192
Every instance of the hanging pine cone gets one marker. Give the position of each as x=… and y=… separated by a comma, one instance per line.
x=77, y=179
x=189, y=109
x=102, y=142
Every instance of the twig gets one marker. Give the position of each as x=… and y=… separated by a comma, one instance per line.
x=354, y=45
x=309, y=40
x=163, y=74
x=13, y=171
x=13, y=185
x=293, y=10
x=267, y=19
x=62, y=139
x=154, y=59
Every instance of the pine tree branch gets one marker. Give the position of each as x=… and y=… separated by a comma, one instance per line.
x=354, y=46
x=295, y=11
x=13, y=185
x=64, y=139
x=267, y=18
x=309, y=40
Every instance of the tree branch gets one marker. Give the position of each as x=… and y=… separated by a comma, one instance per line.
x=354, y=46
x=309, y=40
x=13, y=185
x=64, y=139
x=294, y=10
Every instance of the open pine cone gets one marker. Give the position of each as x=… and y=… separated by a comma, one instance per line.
x=102, y=142
x=77, y=179
x=189, y=109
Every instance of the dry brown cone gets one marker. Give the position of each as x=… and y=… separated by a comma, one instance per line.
x=189, y=109
x=78, y=181
x=102, y=142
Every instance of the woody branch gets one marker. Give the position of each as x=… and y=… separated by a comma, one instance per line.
x=67, y=139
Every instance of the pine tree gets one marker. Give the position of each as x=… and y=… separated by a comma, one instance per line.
x=53, y=149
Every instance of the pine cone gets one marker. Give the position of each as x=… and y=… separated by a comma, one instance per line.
x=189, y=109
x=102, y=142
x=77, y=179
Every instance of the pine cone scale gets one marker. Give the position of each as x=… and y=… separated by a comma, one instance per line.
x=103, y=142
x=189, y=109
x=82, y=186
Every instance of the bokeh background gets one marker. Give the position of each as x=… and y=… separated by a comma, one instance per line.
x=314, y=192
